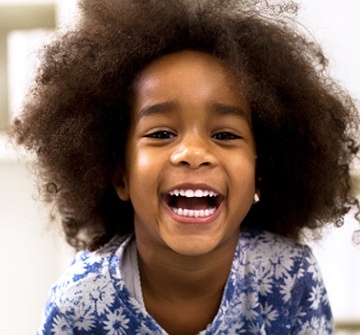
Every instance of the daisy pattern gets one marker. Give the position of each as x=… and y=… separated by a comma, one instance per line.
x=265, y=281
x=85, y=322
x=117, y=323
x=102, y=295
x=325, y=298
x=274, y=287
x=281, y=265
x=314, y=269
x=249, y=305
x=269, y=314
x=235, y=328
x=285, y=289
x=60, y=326
x=315, y=297
x=257, y=329
x=96, y=259
x=311, y=327
x=300, y=315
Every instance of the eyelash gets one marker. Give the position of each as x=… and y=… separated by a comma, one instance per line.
x=161, y=135
x=222, y=136
x=225, y=135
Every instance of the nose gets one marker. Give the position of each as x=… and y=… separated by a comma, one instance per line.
x=194, y=151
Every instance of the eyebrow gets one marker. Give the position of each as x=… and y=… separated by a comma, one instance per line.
x=161, y=108
x=218, y=109
x=228, y=110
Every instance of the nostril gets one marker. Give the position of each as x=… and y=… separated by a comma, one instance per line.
x=192, y=161
x=193, y=164
x=184, y=163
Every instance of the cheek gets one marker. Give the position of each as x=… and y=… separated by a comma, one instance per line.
x=243, y=175
x=143, y=173
x=244, y=162
x=140, y=162
x=146, y=160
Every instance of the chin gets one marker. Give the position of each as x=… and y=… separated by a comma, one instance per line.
x=193, y=247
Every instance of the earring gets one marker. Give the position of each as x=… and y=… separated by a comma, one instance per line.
x=256, y=198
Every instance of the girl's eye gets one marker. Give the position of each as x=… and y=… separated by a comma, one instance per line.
x=161, y=135
x=225, y=136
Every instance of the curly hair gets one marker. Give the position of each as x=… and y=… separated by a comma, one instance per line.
x=76, y=115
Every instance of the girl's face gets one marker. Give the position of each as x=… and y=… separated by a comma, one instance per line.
x=190, y=155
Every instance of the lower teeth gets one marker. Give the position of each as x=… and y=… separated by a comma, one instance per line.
x=194, y=213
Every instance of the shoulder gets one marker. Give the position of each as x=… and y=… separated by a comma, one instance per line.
x=287, y=262
x=259, y=244
x=281, y=279
x=91, y=297
x=88, y=271
x=258, y=237
x=86, y=292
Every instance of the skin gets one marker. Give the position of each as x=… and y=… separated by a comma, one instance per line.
x=190, y=130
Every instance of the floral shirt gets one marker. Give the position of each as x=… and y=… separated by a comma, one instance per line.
x=274, y=287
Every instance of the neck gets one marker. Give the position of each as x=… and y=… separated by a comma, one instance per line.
x=172, y=274
x=174, y=284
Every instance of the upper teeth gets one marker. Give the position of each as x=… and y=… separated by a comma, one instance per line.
x=193, y=193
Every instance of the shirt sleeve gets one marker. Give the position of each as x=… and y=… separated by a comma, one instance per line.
x=54, y=322
x=311, y=313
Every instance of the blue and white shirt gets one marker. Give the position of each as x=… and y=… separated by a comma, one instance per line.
x=274, y=287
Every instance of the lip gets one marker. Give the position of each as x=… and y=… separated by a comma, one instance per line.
x=193, y=220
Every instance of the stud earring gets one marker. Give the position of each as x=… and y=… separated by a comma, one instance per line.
x=256, y=198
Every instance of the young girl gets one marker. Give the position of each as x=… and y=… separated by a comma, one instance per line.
x=185, y=146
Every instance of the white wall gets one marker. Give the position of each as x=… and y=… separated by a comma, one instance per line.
x=336, y=26
x=32, y=257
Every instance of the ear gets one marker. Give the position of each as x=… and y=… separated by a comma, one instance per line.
x=120, y=184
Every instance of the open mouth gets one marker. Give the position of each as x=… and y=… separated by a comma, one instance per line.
x=193, y=203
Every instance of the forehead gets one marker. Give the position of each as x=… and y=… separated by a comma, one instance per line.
x=188, y=80
x=188, y=74
x=195, y=62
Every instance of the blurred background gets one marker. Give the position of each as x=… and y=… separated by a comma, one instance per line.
x=33, y=254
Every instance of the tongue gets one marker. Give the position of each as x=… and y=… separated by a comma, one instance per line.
x=192, y=203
